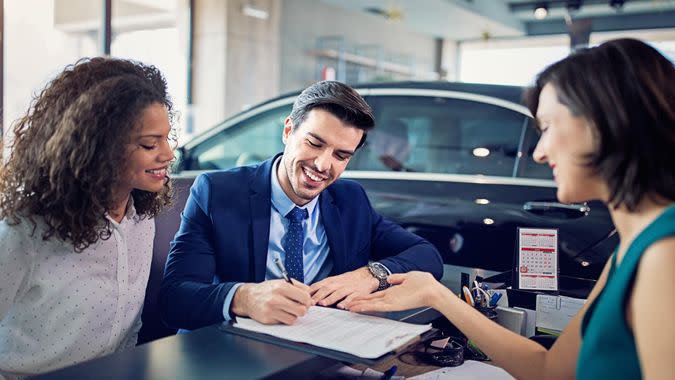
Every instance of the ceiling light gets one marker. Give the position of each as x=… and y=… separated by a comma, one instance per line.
x=482, y=201
x=488, y=221
x=541, y=11
x=481, y=152
x=251, y=11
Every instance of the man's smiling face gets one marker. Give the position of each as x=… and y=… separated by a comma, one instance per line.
x=317, y=152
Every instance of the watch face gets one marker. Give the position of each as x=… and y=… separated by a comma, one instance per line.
x=378, y=271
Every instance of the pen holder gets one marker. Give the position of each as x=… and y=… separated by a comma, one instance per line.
x=489, y=311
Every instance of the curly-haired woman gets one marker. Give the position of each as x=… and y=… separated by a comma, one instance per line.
x=87, y=173
x=607, y=122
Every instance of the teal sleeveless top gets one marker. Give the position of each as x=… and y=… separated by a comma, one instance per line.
x=608, y=347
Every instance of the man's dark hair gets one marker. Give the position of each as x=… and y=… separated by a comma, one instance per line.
x=626, y=90
x=338, y=99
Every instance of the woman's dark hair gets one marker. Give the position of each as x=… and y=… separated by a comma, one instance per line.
x=626, y=90
x=338, y=99
x=70, y=149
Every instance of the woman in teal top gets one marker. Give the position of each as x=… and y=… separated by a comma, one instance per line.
x=608, y=347
x=607, y=121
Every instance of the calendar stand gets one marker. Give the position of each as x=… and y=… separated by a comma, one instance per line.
x=536, y=263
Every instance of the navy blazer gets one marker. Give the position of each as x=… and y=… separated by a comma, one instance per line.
x=224, y=236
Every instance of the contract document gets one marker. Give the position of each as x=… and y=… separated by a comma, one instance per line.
x=361, y=335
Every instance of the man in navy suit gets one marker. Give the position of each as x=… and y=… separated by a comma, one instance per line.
x=293, y=208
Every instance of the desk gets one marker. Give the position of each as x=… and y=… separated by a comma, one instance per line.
x=405, y=368
x=210, y=353
x=206, y=353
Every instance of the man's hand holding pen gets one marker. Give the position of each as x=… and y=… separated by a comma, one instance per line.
x=273, y=301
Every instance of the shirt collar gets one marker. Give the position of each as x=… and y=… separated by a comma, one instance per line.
x=280, y=201
x=130, y=212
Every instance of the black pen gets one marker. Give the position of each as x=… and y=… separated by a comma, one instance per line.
x=281, y=267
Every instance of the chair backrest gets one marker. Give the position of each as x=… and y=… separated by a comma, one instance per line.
x=166, y=225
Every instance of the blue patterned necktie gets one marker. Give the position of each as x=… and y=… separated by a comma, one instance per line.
x=295, y=238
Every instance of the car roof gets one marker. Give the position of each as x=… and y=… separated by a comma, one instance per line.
x=511, y=93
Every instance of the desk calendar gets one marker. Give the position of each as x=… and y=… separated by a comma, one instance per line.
x=538, y=258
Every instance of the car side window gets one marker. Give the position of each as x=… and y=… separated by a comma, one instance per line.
x=527, y=167
x=247, y=142
x=441, y=135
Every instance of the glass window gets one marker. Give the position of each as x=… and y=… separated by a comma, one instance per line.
x=248, y=142
x=527, y=167
x=667, y=48
x=41, y=39
x=662, y=40
x=502, y=61
x=441, y=135
x=141, y=31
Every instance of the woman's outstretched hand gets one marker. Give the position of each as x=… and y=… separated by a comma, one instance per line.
x=408, y=291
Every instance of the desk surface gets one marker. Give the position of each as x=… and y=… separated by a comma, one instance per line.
x=210, y=353
x=202, y=354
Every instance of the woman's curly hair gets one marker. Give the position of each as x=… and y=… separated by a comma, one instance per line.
x=70, y=150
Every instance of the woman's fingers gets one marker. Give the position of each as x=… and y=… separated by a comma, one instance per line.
x=371, y=299
x=366, y=306
x=396, y=279
x=371, y=296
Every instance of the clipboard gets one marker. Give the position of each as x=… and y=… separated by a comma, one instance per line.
x=227, y=327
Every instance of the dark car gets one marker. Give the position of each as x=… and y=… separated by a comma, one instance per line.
x=451, y=162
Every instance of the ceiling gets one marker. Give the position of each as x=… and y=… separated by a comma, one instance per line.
x=464, y=20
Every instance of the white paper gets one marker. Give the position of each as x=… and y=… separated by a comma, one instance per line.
x=470, y=370
x=555, y=312
x=538, y=259
x=361, y=335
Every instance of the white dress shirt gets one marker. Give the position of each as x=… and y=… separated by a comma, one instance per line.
x=59, y=307
x=317, y=262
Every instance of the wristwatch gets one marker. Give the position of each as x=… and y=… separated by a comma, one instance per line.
x=380, y=272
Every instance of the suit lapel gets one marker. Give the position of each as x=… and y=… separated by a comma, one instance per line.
x=332, y=223
x=260, y=205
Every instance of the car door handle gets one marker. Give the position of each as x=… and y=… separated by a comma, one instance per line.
x=555, y=209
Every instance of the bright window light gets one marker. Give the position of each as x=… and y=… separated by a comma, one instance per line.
x=509, y=62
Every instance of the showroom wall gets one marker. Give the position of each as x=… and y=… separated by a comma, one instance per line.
x=303, y=22
x=241, y=60
x=235, y=61
x=253, y=55
x=236, y=58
